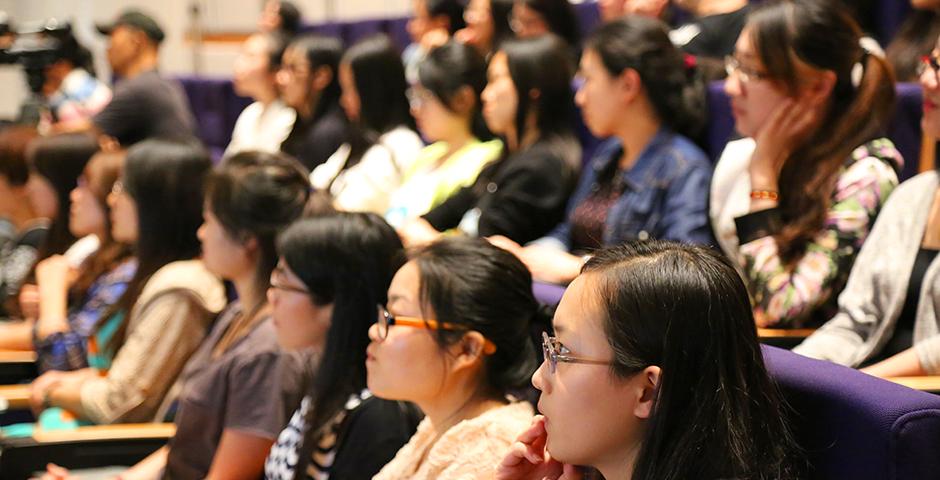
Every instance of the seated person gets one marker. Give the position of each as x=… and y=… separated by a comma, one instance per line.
x=265, y=123
x=280, y=17
x=73, y=293
x=333, y=270
x=140, y=345
x=887, y=319
x=648, y=182
x=654, y=349
x=914, y=39
x=793, y=203
x=522, y=195
x=446, y=105
x=714, y=29
x=145, y=104
x=454, y=339
x=531, y=18
x=309, y=85
x=487, y=25
x=381, y=144
x=432, y=23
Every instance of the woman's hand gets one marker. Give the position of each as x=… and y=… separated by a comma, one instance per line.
x=29, y=301
x=41, y=387
x=551, y=265
x=55, y=472
x=788, y=126
x=528, y=459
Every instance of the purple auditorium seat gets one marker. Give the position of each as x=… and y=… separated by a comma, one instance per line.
x=328, y=29
x=589, y=16
x=216, y=108
x=890, y=14
x=397, y=29
x=854, y=426
x=903, y=129
x=355, y=31
x=548, y=293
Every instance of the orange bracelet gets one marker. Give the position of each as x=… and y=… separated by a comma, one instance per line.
x=764, y=195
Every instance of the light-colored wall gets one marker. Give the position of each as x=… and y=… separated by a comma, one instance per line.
x=177, y=55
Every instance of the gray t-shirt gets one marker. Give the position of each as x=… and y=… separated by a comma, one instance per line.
x=146, y=106
x=240, y=390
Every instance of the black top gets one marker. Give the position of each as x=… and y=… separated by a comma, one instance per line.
x=371, y=436
x=903, y=337
x=711, y=36
x=146, y=106
x=521, y=197
x=312, y=142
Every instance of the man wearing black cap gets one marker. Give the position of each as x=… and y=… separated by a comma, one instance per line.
x=145, y=104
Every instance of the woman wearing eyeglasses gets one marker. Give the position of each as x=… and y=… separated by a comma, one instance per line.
x=793, y=202
x=454, y=339
x=888, y=317
x=654, y=372
x=333, y=271
x=445, y=103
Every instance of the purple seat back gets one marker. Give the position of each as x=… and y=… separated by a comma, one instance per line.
x=216, y=107
x=854, y=426
x=903, y=129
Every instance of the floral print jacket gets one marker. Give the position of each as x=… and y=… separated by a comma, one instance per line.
x=804, y=293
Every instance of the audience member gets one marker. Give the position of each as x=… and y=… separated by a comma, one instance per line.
x=71, y=91
x=914, y=39
x=522, y=195
x=432, y=23
x=280, y=17
x=887, y=319
x=714, y=29
x=265, y=124
x=445, y=102
x=531, y=18
x=793, y=203
x=649, y=181
x=145, y=104
x=382, y=143
x=141, y=344
x=72, y=293
x=655, y=350
x=454, y=339
x=487, y=25
x=309, y=84
x=614, y=9
x=333, y=270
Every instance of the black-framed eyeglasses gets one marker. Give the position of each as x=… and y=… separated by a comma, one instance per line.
x=745, y=74
x=386, y=319
x=552, y=353
x=278, y=284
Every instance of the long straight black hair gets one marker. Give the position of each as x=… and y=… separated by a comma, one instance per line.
x=450, y=67
x=379, y=76
x=60, y=159
x=717, y=413
x=165, y=178
x=345, y=259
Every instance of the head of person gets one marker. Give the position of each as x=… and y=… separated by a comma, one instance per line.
x=257, y=65
x=630, y=67
x=14, y=169
x=308, y=75
x=55, y=165
x=89, y=213
x=281, y=17
x=373, y=83
x=69, y=55
x=132, y=36
x=529, y=89
x=809, y=51
x=458, y=315
x=614, y=9
x=652, y=340
x=532, y=18
x=487, y=24
x=250, y=199
x=930, y=82
x=430, y=15
x=333, y=271
x=446, y=98
x=156, y=208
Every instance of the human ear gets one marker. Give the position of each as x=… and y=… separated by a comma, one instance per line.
x=648, y=383
x=321, y=78
x=820, y=88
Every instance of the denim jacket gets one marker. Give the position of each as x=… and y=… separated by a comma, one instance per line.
x=666, y=194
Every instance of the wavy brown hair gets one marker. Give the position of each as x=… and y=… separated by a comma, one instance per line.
x=824, y=36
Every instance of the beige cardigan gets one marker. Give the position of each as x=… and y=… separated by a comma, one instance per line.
x=470, y=450
x=877, y=287
x=167, y=323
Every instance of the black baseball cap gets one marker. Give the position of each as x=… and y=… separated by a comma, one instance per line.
x=138, y=20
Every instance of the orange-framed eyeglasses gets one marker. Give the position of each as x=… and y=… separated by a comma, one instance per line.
x=386, y=320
